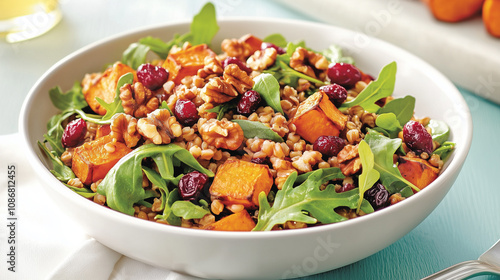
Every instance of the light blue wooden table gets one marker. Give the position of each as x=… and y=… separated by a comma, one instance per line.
x=464, y=225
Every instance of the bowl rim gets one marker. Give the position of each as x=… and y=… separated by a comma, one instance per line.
x=460, y=153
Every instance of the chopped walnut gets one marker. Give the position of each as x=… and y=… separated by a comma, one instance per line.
x=211, y=69
x=124, y=129
x=347, y=153
x=137, y=100
x=236, y=48
x=221, y=134
x=349, y=168
x=238, y=78
x=307, y=62
x=203, y=113
x=395, y=198
x=159, y=127
x=218, y=91
x=262, y=59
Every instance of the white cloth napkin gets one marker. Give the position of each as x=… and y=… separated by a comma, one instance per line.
x=49, y=245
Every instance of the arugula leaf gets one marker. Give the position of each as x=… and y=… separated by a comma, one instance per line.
x=402, y=108
x=116, y=107
x=62, y=172
x=135, y=55
x=439, y=131
x=202, y=30
x=444, y=150
x=167, y=201
x=253, y=129
x=286, y=74
x=369, y=176
x=188, y=210
x=269, y=89
x=306, y=203
x=406, y=192
x=55, y=132
x=204, y=25
x=389, y=123
x=87, y=193
x=276, y=39
x=157, y=45
x=70, y=100
x=122, y=186
x=223, y=108
x=383, y=149
x=167, y=198
x=291, y=47
x=382, y=87
x=334, y=54
x=164, y=105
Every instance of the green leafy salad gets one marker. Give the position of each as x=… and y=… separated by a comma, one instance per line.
x=267, y=134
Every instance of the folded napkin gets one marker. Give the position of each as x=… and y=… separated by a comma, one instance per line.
x=48, y=244
x=464, y=51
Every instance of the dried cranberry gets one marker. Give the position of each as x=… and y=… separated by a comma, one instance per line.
x=248, y=103
x=378, y=196
x=346, y=187
x=74, y=133
x=239, y=63
x=185, y=112
x=417, y=138
x=329, y=145
x=267, y=45
x=336, y=93
x=191, y=184
x=152, y=77
x=344, y=74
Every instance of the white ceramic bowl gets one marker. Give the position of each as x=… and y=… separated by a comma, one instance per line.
x=253, y=255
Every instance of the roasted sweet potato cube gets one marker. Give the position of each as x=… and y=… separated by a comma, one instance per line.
x=92, y=161
x=418, y=171
x=254, y=42
x=103, y=85
x=240, y=221
x=241, y=182
x=317, y=116
x=186, y=62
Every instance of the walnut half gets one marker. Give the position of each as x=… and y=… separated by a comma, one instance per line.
x=307, y=62
x=137, y=100
x=221, y=134
x=218, y=91
x=124, y=129
x=159, y=127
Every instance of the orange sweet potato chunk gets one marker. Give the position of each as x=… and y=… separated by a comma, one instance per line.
x=241, y=182
x=454, y=10
x=103, y=85
x=186, y=62
x=91, y=161
x=254, y=42
x=418, y=171
x=491, y=17
x=317, y=116
x=240, y=221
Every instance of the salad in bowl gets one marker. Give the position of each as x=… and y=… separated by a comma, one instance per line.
x=262, y=134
